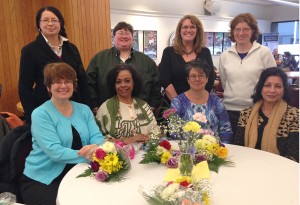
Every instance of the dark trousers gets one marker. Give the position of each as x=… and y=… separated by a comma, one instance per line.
x=36, y=193
x=234, y=119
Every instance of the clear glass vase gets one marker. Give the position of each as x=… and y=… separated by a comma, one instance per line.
x=186, y=164
x=186, y=159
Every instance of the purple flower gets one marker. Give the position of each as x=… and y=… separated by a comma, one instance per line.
x=175, y=153
x=172, y=163
x=200, y=158
x=95, y=166
x=101, y=176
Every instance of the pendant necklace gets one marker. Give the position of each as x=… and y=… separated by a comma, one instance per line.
x=188, y=53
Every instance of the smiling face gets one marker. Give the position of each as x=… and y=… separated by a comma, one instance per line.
x=49, y=24
x=61, y=89
x=188, y=31
x=242, y=33
x=124, y=84
x=123, y=39
x=272, y=90
x=197, y=79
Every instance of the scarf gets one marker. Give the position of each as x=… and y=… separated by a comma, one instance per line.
x=269, y=138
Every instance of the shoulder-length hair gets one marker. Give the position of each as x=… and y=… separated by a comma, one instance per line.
x=113, y=74
x=273, y=71
x=57, y=13
x=247, y=18
x=198, y=43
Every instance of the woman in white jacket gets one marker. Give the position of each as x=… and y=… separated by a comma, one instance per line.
x=241, y=65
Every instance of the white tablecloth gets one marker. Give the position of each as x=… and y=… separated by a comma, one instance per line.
x=258, y=178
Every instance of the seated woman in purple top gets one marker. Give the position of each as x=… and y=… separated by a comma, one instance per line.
x=198, y=100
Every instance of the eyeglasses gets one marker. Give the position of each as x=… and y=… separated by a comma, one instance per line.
x=47, y=21
x=244, y=30
x=121, y=33
x=194, y=77
x=192, y=27
x=66, y=82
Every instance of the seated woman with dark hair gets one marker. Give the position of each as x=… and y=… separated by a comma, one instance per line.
x=124, y=116
x=198, y=100
x=271, y=124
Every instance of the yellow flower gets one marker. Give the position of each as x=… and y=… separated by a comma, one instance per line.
x=112, y=159
x=165, y=157
x=222, y=152
x=183, y=178
x=191, y=126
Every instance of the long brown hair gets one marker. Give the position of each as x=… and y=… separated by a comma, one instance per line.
x=198, y=43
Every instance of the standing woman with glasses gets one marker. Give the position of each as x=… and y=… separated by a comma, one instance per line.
x=241, y=65
x=51, y=45
x=199, y=101
x=188, y=46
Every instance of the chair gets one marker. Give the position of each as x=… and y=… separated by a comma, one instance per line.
x=294, y=90
x=219, y=89
x=14, y=149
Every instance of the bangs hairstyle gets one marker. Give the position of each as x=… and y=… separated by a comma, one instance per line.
x=113, y=74
x=273, y=71
x=247, y=18
x=198, y=43
x=57, y=13
x=54, y=72
x=198, y=65
x=123, y=25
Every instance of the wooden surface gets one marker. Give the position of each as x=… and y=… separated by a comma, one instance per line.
x=87, y=25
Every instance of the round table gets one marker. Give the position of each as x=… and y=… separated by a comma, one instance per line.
x=258, y=178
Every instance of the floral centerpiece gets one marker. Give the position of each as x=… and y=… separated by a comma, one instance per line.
x=182, y=191
x=161, y=151
x=110, y=163
x=195, y=143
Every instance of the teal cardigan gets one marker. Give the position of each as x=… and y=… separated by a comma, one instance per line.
x=52, y=140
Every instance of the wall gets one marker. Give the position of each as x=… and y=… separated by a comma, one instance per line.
x=163, y=17
x=87, y=25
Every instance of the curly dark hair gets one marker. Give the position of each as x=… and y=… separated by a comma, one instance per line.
x=200, y=64
x=113, y=74
x=247, y=18
x=57, y=13
x=273, y=71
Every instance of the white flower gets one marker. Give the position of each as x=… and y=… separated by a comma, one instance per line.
x=169, y=191
x=200, y=117
x=108, y=147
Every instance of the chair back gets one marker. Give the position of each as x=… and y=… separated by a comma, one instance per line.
x=294, y=90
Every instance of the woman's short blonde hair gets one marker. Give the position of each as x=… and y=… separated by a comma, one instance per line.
x=199, y=38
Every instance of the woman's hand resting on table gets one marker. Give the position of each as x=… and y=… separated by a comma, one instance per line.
x=87, y=151
x=136, y=138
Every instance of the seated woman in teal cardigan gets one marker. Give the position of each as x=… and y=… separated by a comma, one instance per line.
x=64, y=133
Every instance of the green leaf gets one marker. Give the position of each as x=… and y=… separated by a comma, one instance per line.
x=217, y=162
x=86, y=173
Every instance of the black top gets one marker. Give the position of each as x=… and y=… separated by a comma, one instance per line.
x=173, y=70
x=34, y=57
x=260, y=130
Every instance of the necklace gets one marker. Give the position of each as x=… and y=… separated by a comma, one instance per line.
x=188, y=53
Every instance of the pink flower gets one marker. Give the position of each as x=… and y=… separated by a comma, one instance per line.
x=100, y=154
x=200, y=117
x=101, y=176
x=169, y=112
x=119, y=142
x=130, y=151
x=172, y=163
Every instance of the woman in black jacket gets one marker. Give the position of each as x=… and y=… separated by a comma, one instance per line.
x=51, y=45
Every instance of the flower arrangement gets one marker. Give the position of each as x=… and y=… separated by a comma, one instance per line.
x=194, y=141
x=161, y=151
x=182, y=191
x=110, y=162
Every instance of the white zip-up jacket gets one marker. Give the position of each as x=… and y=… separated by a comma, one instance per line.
x=240, y=76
